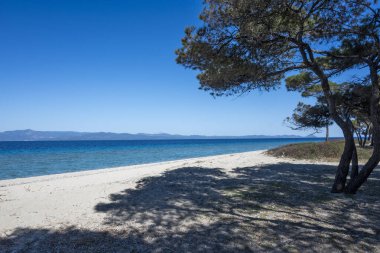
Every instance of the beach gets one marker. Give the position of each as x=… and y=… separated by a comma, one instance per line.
x=190, y=126
x=69, y=198
x=245, y=201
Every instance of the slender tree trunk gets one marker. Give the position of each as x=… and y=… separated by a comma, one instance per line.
x=354, y=165
x=373, y=161
x=345, y=160
x=370, y=136
x=349, y=143
x=358, y=137
x=365, y=135
x=327, y=133
x=344, y=163
x=367, y=169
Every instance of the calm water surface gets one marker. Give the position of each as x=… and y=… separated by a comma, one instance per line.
x=35, y=158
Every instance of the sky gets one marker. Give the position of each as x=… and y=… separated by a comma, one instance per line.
x=109, y=65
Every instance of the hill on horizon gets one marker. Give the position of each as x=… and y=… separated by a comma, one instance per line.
x=32, y=135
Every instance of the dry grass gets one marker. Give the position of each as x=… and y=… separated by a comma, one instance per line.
x=318, y=151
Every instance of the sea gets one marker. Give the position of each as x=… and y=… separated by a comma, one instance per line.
x=35, y=158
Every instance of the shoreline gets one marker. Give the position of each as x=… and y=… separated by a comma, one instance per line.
x=41, y=178
x=24, y=160
x=69, y=198
x=251, y=199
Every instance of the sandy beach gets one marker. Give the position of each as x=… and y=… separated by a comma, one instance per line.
x=69, y=199
x=237, y=202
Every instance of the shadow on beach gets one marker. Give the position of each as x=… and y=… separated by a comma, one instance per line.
x=276, y=208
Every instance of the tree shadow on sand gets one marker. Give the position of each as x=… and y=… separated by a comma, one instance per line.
x=277, y=208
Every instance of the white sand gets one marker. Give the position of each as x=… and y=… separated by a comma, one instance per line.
x=55, y=201
x=246, y=202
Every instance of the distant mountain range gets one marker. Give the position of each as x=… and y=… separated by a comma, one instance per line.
x=31, y=135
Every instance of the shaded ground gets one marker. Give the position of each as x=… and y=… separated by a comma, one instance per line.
x=276, y=208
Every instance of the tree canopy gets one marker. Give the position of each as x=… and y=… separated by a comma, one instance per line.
x=251, y=44
x=244, y=45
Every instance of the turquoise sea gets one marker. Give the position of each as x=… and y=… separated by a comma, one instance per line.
x=35, y=158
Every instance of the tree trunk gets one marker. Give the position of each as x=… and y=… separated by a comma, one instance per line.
x=373, y=161
x=349, y=143
x=354, y=165
x=327, y=133
x=370, y=136
x=367, y=169
x=365, y=135
x=345, y=160
x=344, y=163
x=358, y=137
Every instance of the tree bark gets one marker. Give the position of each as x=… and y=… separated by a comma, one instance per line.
x=370, y=136
x=327, y=133
x=345, y=160
x=358, y=137
x=365, y=135
x=344, y=163
x=354, y=165
x=373, y=161
x=354, y=185
x=346, y=126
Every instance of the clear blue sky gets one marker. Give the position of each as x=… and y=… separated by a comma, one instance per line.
x=109, y=65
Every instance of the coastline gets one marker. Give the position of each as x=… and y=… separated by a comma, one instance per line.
x=251, y=199
x=68, y=198
x=32, y=179
x=31, y=159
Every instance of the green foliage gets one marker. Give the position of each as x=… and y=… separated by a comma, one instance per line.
x=309, y=117
x=304, y=83
x=355, y=99
x=301, y=82
x=251, y=44
x=352, y=101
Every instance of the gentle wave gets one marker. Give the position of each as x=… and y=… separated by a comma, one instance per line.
x=35, y=158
